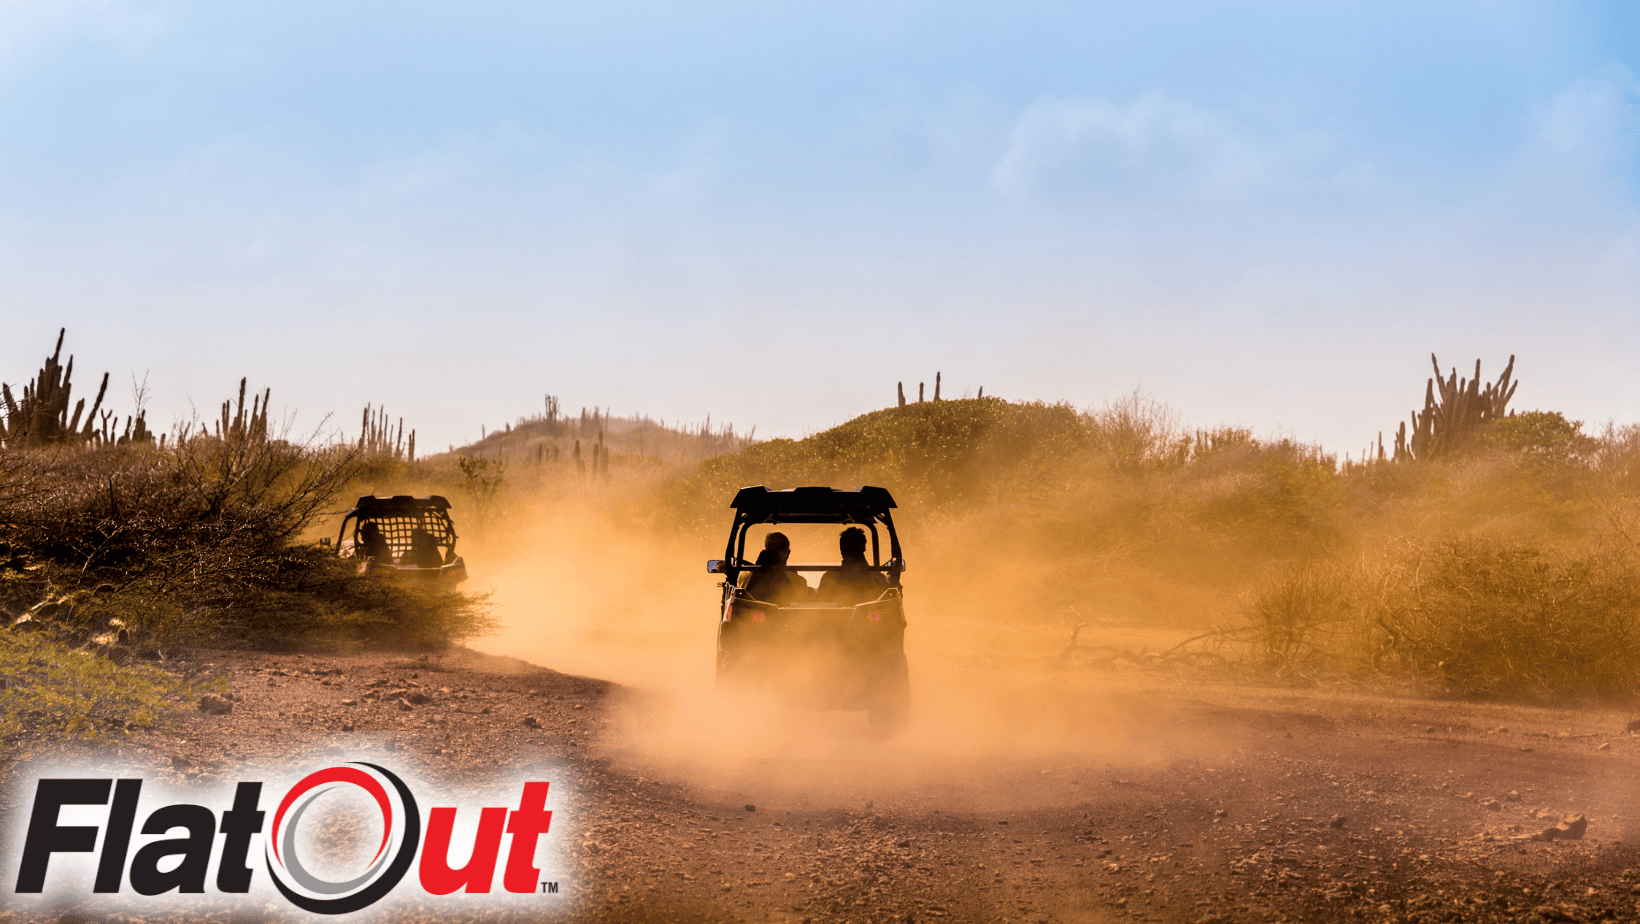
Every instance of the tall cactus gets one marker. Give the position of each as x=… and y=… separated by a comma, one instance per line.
x=381, y=436
x=42, y=416
x=1453, y=414
x=236, y=426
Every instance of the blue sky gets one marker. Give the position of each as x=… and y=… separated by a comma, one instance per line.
x=1263, y=214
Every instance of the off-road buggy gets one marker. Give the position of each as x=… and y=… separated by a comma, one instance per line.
x=403, y=536
x=810, y=650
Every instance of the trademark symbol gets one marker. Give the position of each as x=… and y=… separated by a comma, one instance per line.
x=549, y=888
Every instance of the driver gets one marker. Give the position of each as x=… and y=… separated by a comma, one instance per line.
x=774, y=583
x=856, y=582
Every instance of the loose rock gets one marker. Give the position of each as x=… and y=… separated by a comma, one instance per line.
x=1571, y=828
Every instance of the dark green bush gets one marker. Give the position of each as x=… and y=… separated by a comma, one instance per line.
x=1547, y=435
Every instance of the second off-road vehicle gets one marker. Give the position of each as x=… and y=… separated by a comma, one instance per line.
x=403, y=537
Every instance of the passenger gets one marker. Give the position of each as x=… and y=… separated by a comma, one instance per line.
x=424, y=551
x=856, y=583
x=373, y=545
x=775, y=583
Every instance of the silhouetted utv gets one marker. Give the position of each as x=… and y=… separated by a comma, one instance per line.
x=841, y=647
x=403, y=536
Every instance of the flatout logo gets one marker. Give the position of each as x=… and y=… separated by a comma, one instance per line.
x=182, y=864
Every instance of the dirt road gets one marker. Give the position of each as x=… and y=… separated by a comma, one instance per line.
x=1137, y=798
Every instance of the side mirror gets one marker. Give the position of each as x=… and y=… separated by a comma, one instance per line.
x=900, y=563
x=714, y=566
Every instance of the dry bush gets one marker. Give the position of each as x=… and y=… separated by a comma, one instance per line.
x=1137, y=430
x=1307, y=615
x=194, y=542
x=310, y=593
x=1473, y=616
x=1513, y=619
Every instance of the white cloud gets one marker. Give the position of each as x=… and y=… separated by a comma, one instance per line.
x=1573, y=176
x=1590, y=126
x=1156, y=146
x=33, y=29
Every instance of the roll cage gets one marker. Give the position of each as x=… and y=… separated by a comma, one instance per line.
x=398, y=517
x=866, y=506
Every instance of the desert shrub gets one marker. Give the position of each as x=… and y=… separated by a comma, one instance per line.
x=1306, y=614
x=172, y=533
x=1544, y=435
x=197, y=542
x=1513, y=619
x=1277, y=487
x=1473, y=616
x=1617, y=450
x=1135, y=431
x=310, y=593
x=50, y=690
x=482, y=479
x=1219, y=443
x=381, y=468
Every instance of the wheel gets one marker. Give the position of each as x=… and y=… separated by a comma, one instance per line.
x=730, y=672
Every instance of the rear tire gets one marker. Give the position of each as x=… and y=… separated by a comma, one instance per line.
x=729, y=672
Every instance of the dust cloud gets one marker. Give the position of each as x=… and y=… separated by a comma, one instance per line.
x=996, y=715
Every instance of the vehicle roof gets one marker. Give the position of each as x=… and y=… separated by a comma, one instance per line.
x=399, y=505
x=812, y=504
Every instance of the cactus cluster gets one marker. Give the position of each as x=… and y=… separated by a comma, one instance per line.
x=550, y=438
x=236, y=426
x=598, y=463
x=42, y=417
x=379, y=437
x=1453, y=414
x=899, y=391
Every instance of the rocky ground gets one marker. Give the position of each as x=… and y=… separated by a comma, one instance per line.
x=1222, y=803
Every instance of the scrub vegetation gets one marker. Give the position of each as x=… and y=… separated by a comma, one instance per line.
x=138, y=543
x=1504, y=563
x=57, y=691
x=1494, y=553
x=121, y=546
